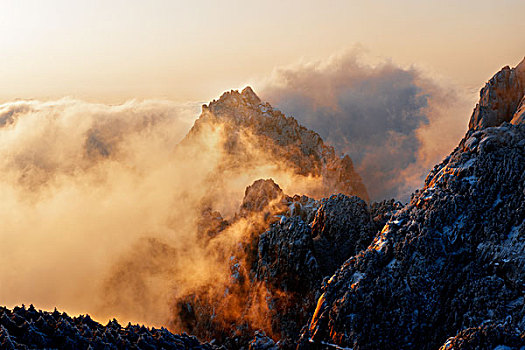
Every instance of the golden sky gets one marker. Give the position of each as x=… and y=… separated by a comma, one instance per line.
x=115, y=50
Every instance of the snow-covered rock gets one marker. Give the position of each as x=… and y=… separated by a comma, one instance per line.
x=486, y=337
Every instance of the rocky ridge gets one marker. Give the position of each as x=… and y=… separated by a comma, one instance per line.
x=28, y=328
x=485, y=337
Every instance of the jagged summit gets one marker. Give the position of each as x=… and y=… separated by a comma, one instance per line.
x=234, y=97
x=248, y=94
x=502, y=99
x=254, y=130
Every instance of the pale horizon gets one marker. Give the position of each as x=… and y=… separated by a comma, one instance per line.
x=111, y=52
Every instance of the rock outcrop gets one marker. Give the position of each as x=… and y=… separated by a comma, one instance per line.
x=486, y=337
x=383, y=211
x=501, y=100
x=342, y=227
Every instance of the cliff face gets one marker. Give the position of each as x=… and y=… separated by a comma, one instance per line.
x=255, y=132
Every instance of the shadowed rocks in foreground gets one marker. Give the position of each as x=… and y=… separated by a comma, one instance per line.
x=23, y=328
x=294, y=244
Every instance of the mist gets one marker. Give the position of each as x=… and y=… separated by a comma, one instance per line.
x=394, y=122
x=102, y=205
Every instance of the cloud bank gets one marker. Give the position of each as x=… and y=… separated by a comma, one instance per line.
x=394, y=122
x=80, y=184
x=101, y=205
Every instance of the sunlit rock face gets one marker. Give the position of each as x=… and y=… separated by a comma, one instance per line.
x=501, y=100
x=255, y=133
x=263, y=196
x=452, y=259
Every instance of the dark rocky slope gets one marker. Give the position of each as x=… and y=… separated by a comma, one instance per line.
x=486, y=337
x=452, y=259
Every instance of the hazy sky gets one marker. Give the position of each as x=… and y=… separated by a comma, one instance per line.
x=114, y=50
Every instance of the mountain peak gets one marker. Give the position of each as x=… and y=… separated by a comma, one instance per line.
x=280, y=138
x=235, y=98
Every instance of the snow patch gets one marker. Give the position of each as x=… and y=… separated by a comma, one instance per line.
x=380, y=241
x=398, y=222
x=514, y=231
x=335, y=346
x=469, y=163
x=391, y=263
x=471, y=179
x=357, y=276
x=497, y=201
x=502, y=347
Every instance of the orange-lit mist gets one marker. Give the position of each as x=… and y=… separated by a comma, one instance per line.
x=100, y=206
